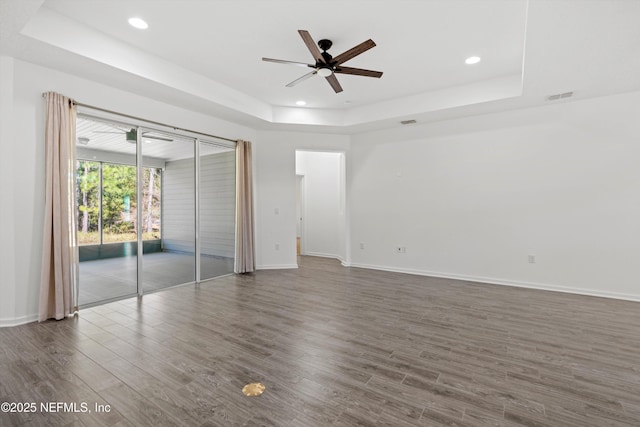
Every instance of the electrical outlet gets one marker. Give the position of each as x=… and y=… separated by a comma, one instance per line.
x=277, y=246
x=361, y=245
x=532, y=259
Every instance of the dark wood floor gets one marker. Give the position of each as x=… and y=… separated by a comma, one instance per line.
x=334, y=346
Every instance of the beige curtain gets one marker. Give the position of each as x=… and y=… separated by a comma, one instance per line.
x=59, y=279
x=245, y=247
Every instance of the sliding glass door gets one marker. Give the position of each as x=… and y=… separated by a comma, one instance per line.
x=184, y=225
x=171, y=260
x=217, y=189
x=105, y=210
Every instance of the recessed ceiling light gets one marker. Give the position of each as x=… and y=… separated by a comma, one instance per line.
x=301, y=103
x=138, y=23
x=472, y=60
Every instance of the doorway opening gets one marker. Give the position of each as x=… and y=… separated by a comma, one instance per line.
x=320, y=203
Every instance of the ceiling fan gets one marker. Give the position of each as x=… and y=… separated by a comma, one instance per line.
x=326, y=65
x=132, y=137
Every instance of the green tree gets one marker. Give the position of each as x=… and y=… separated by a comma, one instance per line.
x=152, y=179
x=118, y=198
x=119, y=204
x=88, y=197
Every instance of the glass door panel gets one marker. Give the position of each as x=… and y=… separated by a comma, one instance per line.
x=217, y=210
x=168, y=210
x=106, y=211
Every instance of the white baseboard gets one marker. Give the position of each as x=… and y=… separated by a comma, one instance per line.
x=276, y=266
x=502, y=282
x=322, y=255
x=7, y=322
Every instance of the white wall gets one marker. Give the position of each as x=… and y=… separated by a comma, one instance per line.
x=178, y=206
x=472, y=198
x=469, y=198
x=275, y=178
x=22, y=161
x=217, y=205
x=7, y=190
x=323, y=223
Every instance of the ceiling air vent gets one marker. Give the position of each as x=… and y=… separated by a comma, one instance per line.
x=408, y=122
x=560, y=96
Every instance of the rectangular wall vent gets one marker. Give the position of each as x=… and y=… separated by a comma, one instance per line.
x=560, y=96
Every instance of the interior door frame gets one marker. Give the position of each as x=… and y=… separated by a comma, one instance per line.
x=300, y=196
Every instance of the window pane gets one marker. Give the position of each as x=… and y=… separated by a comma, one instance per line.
x=152, y=200
x=118, y=203
x=217, y=210
x=171, y=260
x=88, y=201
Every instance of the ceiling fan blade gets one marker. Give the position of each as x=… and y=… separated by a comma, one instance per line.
x=303, y=78
x=282, y=61
x=335, y=84
x=354, y=51
x=358, y=72
x=311, y=45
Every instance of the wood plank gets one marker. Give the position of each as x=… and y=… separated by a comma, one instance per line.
x=334, y=346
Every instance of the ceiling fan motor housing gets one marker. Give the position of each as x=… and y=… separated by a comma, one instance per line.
x=325, y=44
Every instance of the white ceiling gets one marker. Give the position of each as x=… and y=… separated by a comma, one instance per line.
x=225, y=41
x=97, y=137
x=206, y=55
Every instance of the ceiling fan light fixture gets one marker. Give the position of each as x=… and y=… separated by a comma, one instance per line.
x=325, y=72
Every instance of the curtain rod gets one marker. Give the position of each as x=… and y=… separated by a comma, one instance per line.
x=79, y=104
